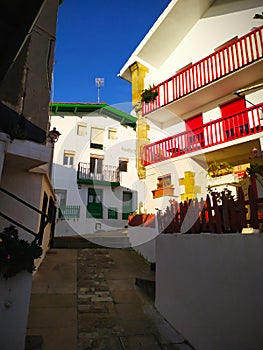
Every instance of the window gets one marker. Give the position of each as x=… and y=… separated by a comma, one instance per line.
x=68, y=158
x=126, y=205
x=123, y=165
x=113, y=213
x=112, y=134
x=97, y=138
x=164, y=187
x=94, y=206
x=96, y=162
x=82, y=129
x=164, y=181
x=238, y=124
x=61, y=197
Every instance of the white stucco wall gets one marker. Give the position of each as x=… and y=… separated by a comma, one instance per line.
x=222, y=21
x=142, y=240
x=177, y=168
x=209, y=287
x=65, y=177
x=30, y=187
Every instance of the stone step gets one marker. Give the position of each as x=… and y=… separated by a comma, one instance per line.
x=111, y=242
x=80, y=242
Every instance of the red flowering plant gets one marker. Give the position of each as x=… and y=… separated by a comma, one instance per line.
x=16, y=254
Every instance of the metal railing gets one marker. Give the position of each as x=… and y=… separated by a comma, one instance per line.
x=69, y=212
x=48, y=215
x=107, y=173
x=236, y=55
x=222, y=130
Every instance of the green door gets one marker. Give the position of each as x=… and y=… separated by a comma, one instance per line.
x=95, y=207
x=126, y=204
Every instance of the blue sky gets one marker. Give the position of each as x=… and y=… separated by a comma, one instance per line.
x=95, y=39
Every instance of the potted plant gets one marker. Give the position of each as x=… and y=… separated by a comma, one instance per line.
x=216, y=169
x=150, y=94
x=16, y=266
x=16, y=254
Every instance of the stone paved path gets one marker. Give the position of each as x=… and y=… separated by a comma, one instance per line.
x=111, y=311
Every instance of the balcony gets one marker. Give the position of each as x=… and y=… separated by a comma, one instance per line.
x=107, y=175
x=244, y=52
x=215, y=133
x=69, y=212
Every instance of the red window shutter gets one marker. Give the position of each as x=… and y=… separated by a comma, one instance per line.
x=194, y=122
x=234, y=124
x=195, y=138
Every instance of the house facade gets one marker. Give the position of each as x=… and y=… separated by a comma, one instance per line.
x=205, y=60
x=206, y=66
x=27, y=199
x=94, y=173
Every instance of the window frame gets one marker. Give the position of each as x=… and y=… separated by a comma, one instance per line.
x=70, y=156
x=123, y=164
x=81, y=129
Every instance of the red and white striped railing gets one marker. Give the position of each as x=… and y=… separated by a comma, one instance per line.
x=219, y=131
x=231, y=57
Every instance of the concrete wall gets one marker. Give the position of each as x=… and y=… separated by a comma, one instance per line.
x=29, y=186
x=143, y=240
x=210, y=288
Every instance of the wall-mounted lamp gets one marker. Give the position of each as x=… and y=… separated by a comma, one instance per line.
x=258, y=16
x=53, y=135
x=256, y=153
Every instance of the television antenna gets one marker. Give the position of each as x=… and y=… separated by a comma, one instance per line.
x=99, y=83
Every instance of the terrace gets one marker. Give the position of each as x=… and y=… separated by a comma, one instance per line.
x=212, y=77
x=215, y=133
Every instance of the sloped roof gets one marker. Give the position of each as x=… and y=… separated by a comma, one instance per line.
x=84, y=109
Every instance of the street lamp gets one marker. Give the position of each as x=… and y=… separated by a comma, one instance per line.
x=52, y=137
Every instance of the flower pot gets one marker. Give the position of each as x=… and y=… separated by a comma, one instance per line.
x=14, y=305
x=222, y=180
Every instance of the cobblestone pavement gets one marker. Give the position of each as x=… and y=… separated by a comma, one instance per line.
x=113, y=313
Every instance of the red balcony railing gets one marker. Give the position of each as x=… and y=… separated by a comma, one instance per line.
x=222, y=130
x=231, y=57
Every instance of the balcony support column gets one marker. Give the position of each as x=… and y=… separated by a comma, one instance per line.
x=138, y=72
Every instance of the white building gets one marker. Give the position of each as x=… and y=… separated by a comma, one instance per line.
x=94, y=173
x=198, y=54
x=205, y=58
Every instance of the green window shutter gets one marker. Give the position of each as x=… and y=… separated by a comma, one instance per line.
x=113, y=213
x=94, y=206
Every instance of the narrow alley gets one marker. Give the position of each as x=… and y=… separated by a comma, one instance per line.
x=91, y=299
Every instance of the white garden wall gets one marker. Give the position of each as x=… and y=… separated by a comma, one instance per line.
x=210, y=288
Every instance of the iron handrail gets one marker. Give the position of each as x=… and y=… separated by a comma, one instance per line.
x=46, y=217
